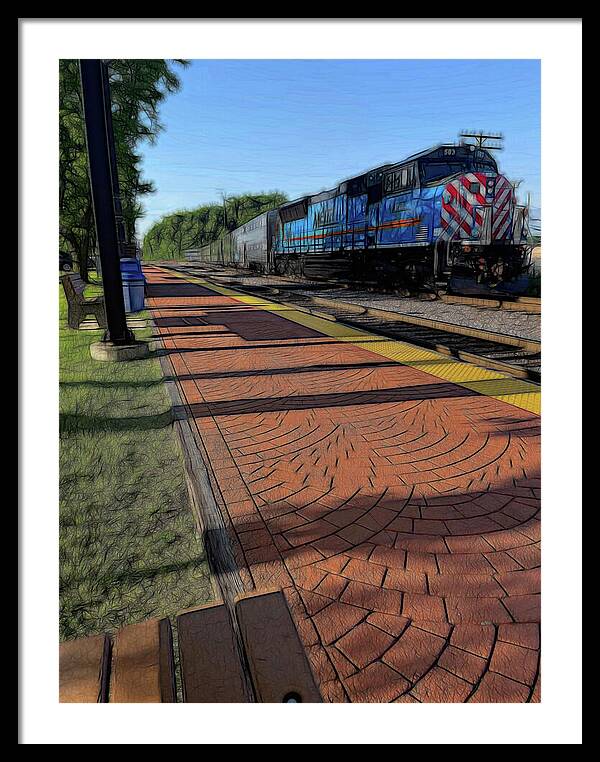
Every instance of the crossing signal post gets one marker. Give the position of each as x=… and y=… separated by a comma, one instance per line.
x=118, y=342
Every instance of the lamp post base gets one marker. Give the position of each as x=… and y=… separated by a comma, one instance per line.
x=106, y=351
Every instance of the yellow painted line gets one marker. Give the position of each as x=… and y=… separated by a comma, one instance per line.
x=490, y=383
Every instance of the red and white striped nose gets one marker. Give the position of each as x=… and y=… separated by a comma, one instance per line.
x=464, y=201
x=477, y=207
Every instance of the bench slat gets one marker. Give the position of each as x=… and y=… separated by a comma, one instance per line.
x=211, y=670
x=74, y=286
x=141, y=663
x=168, y=690
x=277, y=659
x=83, y=670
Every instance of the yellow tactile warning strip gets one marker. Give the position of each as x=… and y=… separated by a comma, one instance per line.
x=491, y=383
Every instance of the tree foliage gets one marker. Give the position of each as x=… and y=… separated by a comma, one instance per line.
x=138, y=88
x=190, y=229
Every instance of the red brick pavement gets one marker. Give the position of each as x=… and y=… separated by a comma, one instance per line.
x=398, y=512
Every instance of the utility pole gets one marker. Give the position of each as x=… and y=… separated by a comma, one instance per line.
x=98, y=128
x=482, y=137
x=224, y=200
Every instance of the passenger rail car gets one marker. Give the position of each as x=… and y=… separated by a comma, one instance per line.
x=248, y=246
x=441, y=218
x=252, y=242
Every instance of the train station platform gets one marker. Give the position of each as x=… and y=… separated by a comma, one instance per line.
x=392, y=493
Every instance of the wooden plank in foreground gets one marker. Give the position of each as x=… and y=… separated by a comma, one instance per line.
x=278, y=663
x=211, y=668
x=142, y=670
x=83, y=670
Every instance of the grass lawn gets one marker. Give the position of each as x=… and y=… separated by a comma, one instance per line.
x=129, y=547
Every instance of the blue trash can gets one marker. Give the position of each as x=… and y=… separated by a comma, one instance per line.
x=134, y=284
x=130, y=264
x=133, y=291
x=136, y=294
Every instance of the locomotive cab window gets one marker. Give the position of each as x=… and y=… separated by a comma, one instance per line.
x=401, y=179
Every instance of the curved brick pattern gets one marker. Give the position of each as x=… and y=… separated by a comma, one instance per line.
x=399, y=512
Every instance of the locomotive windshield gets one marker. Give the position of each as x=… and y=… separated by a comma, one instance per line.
x=432, y=171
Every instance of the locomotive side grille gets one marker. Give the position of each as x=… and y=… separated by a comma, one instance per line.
x=422, y=233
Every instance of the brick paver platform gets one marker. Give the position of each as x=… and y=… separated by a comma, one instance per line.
x=398, y=511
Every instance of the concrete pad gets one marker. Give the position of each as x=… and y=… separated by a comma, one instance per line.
x=106, y=351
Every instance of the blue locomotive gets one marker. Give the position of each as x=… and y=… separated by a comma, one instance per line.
x=443, y=218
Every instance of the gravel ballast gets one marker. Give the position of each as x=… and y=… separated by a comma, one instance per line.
x=522, y=324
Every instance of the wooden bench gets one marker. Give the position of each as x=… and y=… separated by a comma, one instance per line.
x=268, y=664
x=79, y=306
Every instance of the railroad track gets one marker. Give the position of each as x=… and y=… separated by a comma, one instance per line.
x=530, y=304
x=516, y=356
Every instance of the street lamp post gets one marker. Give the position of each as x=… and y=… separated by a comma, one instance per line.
x=112, y=153
x=118, y=343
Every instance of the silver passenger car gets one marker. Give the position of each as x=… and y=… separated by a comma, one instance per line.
x=251, y=242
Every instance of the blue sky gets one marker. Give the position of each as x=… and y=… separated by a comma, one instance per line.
x=300, y=126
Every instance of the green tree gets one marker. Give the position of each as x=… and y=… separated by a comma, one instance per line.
x=138, y=87
x=190, y=229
